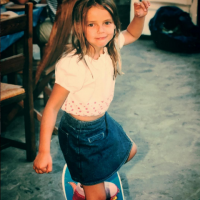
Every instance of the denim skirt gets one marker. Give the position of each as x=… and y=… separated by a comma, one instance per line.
x=93, y=150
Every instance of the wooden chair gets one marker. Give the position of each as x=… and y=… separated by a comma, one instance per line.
x=15, y=93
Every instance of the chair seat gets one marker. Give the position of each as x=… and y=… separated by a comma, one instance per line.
x=9, y=90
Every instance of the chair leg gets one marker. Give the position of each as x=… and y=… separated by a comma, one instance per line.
x=29, y=129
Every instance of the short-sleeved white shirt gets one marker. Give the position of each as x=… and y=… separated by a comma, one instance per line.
x=89, y=81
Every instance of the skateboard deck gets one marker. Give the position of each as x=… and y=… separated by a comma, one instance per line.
x=68, y=190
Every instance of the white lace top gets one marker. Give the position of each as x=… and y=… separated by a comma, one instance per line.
x=91, y=85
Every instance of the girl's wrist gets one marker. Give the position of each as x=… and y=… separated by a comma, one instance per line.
x=138, y=17
x=44, y=150
x=44, y=153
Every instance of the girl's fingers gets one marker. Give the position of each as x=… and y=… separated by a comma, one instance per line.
x=141, y=8
x=146, y=4
x=142, y=5
x=40, y=171
x=49, y=168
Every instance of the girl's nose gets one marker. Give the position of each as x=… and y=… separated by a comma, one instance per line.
x=100, y=28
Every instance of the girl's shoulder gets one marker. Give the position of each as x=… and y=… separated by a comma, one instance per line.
x=70, y=63
x=70, y=73
x=66, y=58
x=69, y=59
x=120, y=40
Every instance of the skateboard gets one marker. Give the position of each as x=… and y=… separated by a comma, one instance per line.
x=69, y=185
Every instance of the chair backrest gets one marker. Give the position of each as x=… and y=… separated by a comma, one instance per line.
x=24, y=61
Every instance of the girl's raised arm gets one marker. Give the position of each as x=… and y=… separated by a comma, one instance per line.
x=43, y=161
x=135, y=28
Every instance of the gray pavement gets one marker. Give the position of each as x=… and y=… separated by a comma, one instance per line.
x=157, y=101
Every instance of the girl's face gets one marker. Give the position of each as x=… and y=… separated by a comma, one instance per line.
x=99, y=27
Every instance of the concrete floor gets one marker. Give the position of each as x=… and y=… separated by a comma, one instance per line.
x=157, y=102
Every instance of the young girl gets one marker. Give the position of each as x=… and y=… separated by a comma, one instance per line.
x=93, y=144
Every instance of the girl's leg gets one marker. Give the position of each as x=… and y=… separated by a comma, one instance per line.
x=132, y=153
x=95, y=192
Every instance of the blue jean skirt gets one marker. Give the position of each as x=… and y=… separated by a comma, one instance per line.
x=93, y=150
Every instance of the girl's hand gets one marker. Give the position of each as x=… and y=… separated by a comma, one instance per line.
x=43, y=163
x=141, y=8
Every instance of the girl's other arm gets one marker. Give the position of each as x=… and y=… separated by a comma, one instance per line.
x=43, y=161
x=134, y=30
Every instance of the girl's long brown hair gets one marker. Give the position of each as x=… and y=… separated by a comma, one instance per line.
x=59, y=36
x=70, y=14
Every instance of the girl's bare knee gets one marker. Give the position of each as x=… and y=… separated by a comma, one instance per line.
x=132, y=152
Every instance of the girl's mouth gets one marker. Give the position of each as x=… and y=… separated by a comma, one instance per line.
x=100, y=38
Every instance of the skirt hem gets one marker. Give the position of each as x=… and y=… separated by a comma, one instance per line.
x=104, y=179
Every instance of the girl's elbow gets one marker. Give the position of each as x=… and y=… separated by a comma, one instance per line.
x=50, y=112
x=52, y=108
x=132, y=37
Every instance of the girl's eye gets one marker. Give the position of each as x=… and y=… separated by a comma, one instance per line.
x=90, y=25
x=107, y=23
